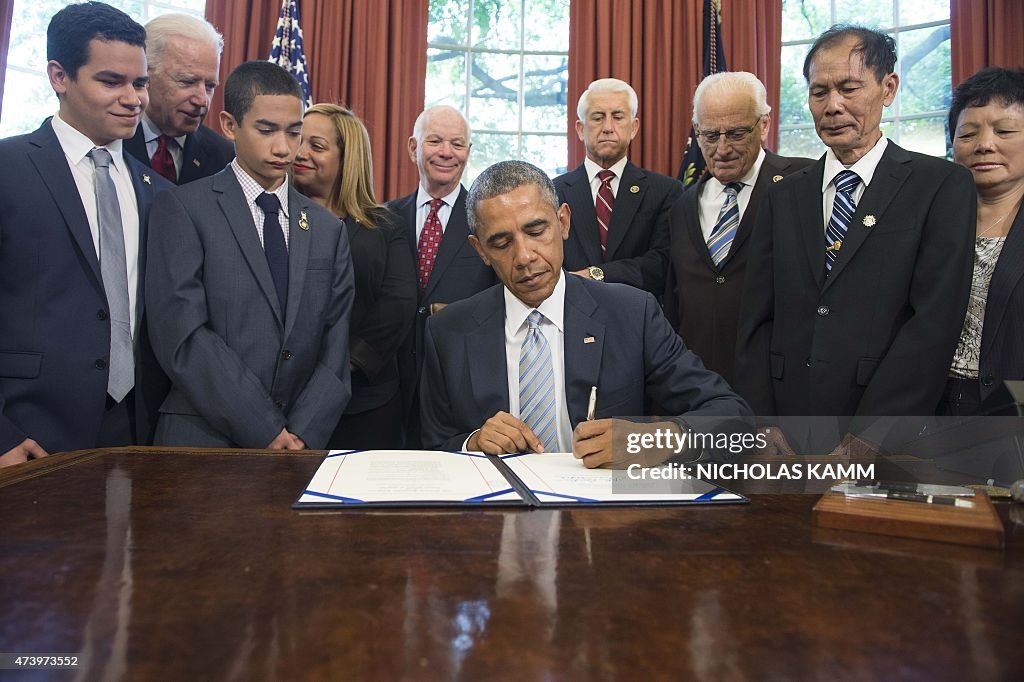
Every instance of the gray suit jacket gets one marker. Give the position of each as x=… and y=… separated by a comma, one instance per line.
x=241, y=368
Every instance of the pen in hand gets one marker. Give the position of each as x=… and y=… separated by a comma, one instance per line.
x=592, y=405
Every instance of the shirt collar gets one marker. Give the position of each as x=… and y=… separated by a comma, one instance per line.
x=252, y=189
x=151, y=132
x=422, y=197
x=593, y=169
x=864, y=168
x=717, y=188
x=76, y=145
x=553, y=308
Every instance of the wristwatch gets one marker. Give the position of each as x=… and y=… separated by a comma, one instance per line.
x=596, y=273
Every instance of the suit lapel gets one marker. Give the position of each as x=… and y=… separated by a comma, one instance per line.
x=408, y=212
x=889, y=177
x=236, y=212
x=142, y=182
x=584, y=218
x=485, y=354
x=583, y=346
x=692, y=209
x=136, y=146
x=455, y=234
x=626, y=204
x=1007, y=276
x=52, y=164
x=770, y=168
x=811, y=225
x=298, y=254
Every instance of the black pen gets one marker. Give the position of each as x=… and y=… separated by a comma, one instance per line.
x=909, y=497
x=918, y=488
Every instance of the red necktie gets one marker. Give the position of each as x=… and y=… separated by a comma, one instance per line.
x=162, y=161
x=603, y=207
x=430, y=240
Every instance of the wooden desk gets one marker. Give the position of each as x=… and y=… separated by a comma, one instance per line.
x=163, y=565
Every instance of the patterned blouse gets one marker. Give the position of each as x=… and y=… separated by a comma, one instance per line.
x=968, y=350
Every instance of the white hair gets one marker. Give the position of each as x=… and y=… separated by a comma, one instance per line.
x=421, y=120
x=607, y=85
x=727, y=83
x=161, y=29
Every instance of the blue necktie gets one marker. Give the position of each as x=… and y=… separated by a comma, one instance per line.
x=113, y=269
x=274, y=246
x=725, y=228
x=537, y=385
x=843, y=209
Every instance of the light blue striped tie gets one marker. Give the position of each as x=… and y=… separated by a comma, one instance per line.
x=842, y=213
x=725, y=228
x=537, y=385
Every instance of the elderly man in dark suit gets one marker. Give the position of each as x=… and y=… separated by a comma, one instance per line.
x=75, y=364
x=250, y=285
x=184, y=60
x=512, y=368
x=859, y=269
x=711, y=225
x=447, y=267
x=619, y=229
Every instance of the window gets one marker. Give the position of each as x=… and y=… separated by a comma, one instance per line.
x=505, y=66
x=917, y=119
x=28, y=97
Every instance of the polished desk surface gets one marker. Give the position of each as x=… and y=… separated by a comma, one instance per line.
x=162, y=565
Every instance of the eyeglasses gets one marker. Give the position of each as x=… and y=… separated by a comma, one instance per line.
x=711, y=137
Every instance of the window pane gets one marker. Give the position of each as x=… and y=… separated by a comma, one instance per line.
x=924, y=70
x=793, y=92
x=545, y=82
x=447, y=23
x=446, y=78
x=925, y=135
x=496, y=24
x=489, y=148
x=547, y=152
x=547, y=27
x=28, y=99
x=922, y=11
x=494, y=98
x=871, y=13
x=800, y=142
x=802, y=20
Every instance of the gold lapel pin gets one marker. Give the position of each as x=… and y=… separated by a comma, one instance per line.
x=303, y=220
x=589, y=339
x=869, y=221
x=634, y=189
x=145, y=179
x=776, y=178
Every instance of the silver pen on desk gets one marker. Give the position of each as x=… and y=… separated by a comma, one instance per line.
x=592, y=404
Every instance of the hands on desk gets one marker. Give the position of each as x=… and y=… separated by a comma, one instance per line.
x=504, y=434
x=286, y=441
x=22, y=452
x=603, y=443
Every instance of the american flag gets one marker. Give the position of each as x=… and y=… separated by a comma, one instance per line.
x=287, y=50
x=692, y=169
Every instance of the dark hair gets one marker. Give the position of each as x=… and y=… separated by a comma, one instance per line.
x=71, y=29
x=251, y=79
x=877, y=49
x=504, y=177
x=1005, y=86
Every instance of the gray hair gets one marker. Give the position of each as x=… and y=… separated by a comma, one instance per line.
x=161, y=29
x=727, y=83
x=504, y=177
x=421, y=121
x=607, y=85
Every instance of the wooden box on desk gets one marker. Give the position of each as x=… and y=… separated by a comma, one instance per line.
x=978, y=525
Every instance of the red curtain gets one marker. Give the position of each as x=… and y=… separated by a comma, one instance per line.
x=657, y=47
x=985, y=33
x=6, y=14
x=369, y=56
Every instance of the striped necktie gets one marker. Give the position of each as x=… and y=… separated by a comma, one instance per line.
x=725, y=228
x=604, y=207
x=843, y=209
x=537, y=385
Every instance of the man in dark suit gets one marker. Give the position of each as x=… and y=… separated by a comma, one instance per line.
x=184, y=62
x=512, y=368
x=619, y=229
x=74, y=359
x=860, y=265
x=447, y=267
x=250, y=284
x=711, y=224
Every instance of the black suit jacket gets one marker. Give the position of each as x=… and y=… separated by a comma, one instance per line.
x=1002, y=336
x=205, y=153
x=458, y=273
x=54, y=326
x=703, y=301
x=638, y=239
x=876, y=336
x=616, y=338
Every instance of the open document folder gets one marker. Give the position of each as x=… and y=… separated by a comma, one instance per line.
x=425, y=478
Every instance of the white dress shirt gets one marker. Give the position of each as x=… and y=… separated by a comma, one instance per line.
x=443, y=213
x=151, y=133
x=76, y=148
x=712, y=197
x=595, y=183
x=865, y=168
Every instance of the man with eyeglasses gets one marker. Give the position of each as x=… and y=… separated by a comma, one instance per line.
x=711, y=225
x=619, y=212
x=860, y=265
